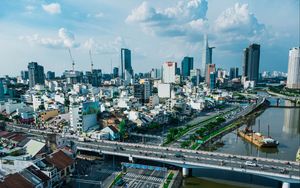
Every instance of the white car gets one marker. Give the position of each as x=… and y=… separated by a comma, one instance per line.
x=250, y=163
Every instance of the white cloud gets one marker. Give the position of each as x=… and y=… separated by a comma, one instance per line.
x=236, y=27
x=96, y=15
x=238, y=19
x=186, y=19
x=112, y=47
x=52, y=8
x=65, y=39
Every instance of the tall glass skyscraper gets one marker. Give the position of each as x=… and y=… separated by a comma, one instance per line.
x=36, y=74
x=126, y=68
x=187, y=64
x=206, y=56
x=293, y=79
x=251, y=62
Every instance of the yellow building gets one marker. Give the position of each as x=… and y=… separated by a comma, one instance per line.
x=46, y=115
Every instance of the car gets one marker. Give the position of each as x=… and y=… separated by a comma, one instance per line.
x=250, y=163
x=284, y=171
x=222, y=163
x=178, y=155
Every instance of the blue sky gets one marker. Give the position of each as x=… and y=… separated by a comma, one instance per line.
x=155, y=31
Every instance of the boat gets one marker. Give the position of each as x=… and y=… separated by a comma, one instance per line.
x=298, y=155
x=257, y=138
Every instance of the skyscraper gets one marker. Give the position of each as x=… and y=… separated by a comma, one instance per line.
x=50, y=75
x=96, y=77
x=36, y=74
x=24, y=75
x=187, y=64
x=234, y=73
x=206, y=56
x=155, y=73
x=126, y=68
x=1, y=90
x=211, y=68
x=116, y=72
x=293, y=79
x=169, y=72
x=251, y=62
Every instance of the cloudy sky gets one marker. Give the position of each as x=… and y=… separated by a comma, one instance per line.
x=155, y=31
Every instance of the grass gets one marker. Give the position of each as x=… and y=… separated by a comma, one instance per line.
x=189, y=127
x=118, y=177
x=168, y=180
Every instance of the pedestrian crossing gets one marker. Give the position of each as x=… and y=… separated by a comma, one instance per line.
x=143, y=177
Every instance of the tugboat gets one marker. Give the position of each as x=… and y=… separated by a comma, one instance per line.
x=257, y=138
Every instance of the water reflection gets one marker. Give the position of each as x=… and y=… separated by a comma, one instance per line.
x=291, y=125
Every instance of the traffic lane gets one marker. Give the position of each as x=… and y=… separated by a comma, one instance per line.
x=220, y=156
x=205, y=160
x=291, y=167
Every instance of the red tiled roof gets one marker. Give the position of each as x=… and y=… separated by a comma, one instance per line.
x=60, y=160
x=15, y=181
x=3, y=133
x=38, y=173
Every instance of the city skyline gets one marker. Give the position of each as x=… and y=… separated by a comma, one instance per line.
x=146, y=28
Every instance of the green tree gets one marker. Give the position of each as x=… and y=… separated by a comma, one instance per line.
x=122, y=127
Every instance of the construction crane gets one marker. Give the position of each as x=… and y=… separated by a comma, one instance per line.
x=92, y=64
x=73, y=62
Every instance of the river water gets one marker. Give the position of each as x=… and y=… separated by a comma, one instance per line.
x=284, y=126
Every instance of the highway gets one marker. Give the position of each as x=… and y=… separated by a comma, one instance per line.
x=192, y=158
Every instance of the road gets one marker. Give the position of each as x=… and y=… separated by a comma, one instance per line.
x=271, y=167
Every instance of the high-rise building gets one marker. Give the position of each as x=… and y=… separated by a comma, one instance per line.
x=211, y=68
x=96, y=77
x=143, y=91
x=126, y=69
x=293, y=79
x=24, y=75
x=195, y=76
x=74, y=77
x=36, y=74
x=212, y=80
x=1, y=90
x=116, y=72
x=155, y=73
x=234, y=73
x=206, y=55
x=169, y=72
x=251, y=62
x=187, y=64
x=50, y=75
x=83, y=116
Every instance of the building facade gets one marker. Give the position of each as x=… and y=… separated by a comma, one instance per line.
x=36, y=74
x=206, y=55
x=211, y=68
x=50, y=75
x=24, y=75
x=126, y=68
x=293, y=79
x=251, y=62
x=169, y=72
x=234, y=73
x=187, y=64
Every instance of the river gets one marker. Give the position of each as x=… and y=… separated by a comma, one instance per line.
x=284, y=126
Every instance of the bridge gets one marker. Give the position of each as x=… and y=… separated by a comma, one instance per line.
x=285, y=171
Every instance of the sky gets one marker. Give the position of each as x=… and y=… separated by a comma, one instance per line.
x=156, y=31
